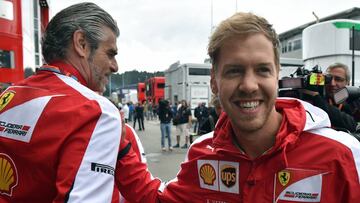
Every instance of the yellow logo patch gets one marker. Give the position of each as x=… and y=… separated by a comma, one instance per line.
x=284, y=177
x=5, y=99
x=8, y=175
x=207, y=173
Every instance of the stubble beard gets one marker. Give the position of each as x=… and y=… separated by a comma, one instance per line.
x=97, y=84
x=249, y=124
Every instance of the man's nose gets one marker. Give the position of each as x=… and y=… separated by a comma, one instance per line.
x=248, y=83
x=114, y=66
x=333, y=82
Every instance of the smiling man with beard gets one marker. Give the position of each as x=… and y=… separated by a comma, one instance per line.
x=71, y=134
x=263, y=148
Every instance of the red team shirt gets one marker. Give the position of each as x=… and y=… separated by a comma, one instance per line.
x=58, y=141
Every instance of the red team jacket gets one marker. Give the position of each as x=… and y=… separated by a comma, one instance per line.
x=58, y=141
x=309, y=162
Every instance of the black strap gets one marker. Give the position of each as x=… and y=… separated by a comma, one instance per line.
x=55, y=70
x=124, y=151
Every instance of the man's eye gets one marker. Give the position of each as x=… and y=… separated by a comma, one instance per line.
x=233, y=71
x=339, y=79
x=111, y=54
x=264, y=69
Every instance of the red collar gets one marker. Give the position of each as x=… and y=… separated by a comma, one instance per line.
x=69, y=70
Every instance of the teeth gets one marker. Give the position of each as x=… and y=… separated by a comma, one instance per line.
x=252, y=104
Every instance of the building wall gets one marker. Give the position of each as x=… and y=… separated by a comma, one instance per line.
x=292, y=47
x=297, y=53
x=31, y=33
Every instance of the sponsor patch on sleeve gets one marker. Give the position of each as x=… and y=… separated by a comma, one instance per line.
x=299, y=185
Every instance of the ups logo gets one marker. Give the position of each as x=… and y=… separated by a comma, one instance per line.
x=228, y=175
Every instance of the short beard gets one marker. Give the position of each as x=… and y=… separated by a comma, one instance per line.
x=94, y=82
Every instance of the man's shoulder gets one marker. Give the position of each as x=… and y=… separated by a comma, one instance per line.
x=326, y=145
x=202, y=146
x=337, y=141
x=67, y=93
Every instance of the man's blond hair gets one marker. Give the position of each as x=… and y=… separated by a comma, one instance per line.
x=242, y=24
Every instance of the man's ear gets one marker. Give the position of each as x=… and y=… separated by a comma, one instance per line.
x=213, y=84
x=79, y=43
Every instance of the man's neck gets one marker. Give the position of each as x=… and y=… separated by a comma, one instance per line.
x=256, y=143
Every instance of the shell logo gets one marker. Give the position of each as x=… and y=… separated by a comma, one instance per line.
x=8, y=175
x=207, y=174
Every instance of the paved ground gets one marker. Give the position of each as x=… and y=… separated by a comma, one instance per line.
x=164, y=165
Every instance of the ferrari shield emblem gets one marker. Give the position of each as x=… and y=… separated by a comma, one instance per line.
x=5, y=99
x=284, y=177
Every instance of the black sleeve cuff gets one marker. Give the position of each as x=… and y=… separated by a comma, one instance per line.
x=124, y=151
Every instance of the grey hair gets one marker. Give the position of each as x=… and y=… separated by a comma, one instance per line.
x=87, y=17
x=340, y=65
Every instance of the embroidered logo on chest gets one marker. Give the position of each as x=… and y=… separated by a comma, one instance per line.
x=299, y=185
x=219, y=175
x=284, y=177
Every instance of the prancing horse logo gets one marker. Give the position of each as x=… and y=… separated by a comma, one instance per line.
x=284, y=177
x=5, y=99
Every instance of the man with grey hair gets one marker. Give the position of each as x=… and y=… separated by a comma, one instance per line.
x=59, y=139
x=340, y=114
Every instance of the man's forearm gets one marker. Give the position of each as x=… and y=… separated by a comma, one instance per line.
x=133, y=178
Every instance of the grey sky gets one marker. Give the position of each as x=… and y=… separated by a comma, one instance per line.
x=157, y=33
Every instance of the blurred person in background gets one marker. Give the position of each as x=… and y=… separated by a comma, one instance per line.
x=139, y=116
x=196, y=115
x=165, y=116
x=183, y=126
x=214, y=113
x=126, y=112
x=340, y=114
x=131, y=111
